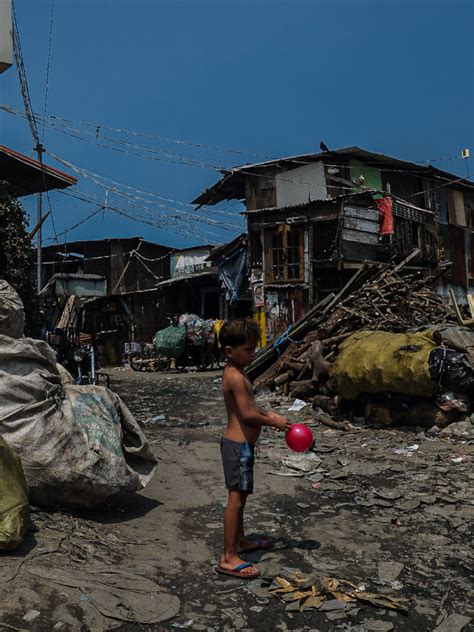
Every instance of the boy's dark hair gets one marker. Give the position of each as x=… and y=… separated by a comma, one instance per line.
x=236, y=332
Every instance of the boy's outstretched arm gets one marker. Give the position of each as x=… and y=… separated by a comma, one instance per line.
x=248, y=410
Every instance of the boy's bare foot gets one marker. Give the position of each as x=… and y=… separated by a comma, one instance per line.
x=231, y=562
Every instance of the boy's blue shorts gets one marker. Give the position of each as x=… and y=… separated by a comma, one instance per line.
x=238, y=459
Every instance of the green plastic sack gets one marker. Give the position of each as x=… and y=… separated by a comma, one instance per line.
x=14, y=507
x=171, y=342
x=382, y=362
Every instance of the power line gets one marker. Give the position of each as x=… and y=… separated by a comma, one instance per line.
x=247, y=171
x=184, y=160
x=48, y=64
x=96, y=128
x=177, y=213
x=95, y=177
x=30, y=116
x=172, y=226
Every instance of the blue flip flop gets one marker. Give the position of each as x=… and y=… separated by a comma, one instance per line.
x=237, y=571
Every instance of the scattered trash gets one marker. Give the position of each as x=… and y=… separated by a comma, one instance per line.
x=287, y=472
x=298, y=464
x=459, y=430
x=407, y=451
x=315, y=478
x=297, y=405
x=31, y=615
x=461, y=459
x=153, y=420
x=305, y=462
x=187, y=624
x=335, y=593
x=449, y=401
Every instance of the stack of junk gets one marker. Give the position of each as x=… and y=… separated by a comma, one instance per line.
x=198, y=332
x=60, y=444
x=386, y=349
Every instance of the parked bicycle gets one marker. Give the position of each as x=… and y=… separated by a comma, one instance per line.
x=84, y=354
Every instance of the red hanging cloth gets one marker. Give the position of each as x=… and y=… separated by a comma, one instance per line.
x=385, y=208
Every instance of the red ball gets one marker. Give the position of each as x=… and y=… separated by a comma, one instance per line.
x=299, y=438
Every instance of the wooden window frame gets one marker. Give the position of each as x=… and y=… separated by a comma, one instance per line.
x=278, y=263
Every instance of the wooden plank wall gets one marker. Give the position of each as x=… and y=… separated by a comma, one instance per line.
x=360, y=233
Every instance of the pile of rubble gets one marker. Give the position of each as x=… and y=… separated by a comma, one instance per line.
x=304, y=362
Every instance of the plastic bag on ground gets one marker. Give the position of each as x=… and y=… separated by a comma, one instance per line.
x=452, y=370
x=14, y=507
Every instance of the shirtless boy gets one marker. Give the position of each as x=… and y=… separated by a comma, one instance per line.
x=238, y=338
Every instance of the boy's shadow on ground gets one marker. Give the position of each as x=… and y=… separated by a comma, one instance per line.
x=283, y=544
x=306, y=545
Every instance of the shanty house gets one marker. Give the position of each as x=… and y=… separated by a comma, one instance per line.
x=127, y=269
x=313, y=219
x=192, y=286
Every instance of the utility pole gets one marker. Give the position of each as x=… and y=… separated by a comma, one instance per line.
x=39, y=243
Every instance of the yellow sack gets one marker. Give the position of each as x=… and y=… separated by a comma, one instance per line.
x=217, y=328
x=14, y=507
x=381, y=362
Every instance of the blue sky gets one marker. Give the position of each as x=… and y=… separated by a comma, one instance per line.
x=265, y=78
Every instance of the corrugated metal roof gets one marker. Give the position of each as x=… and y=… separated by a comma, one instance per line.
x=232, y=185
x=80, y=245
x=26, y=176
x=306, y=205
x=219, y=251
x=187, y=277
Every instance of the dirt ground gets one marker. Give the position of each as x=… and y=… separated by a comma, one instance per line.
x=397, y=521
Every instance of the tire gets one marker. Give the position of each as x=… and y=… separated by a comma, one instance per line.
x=207, y=361
x=162, y=364
x=136, y=362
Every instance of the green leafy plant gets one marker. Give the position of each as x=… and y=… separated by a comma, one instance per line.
x=17, y=258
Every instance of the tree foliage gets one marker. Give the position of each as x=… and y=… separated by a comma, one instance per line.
x=17, y=258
